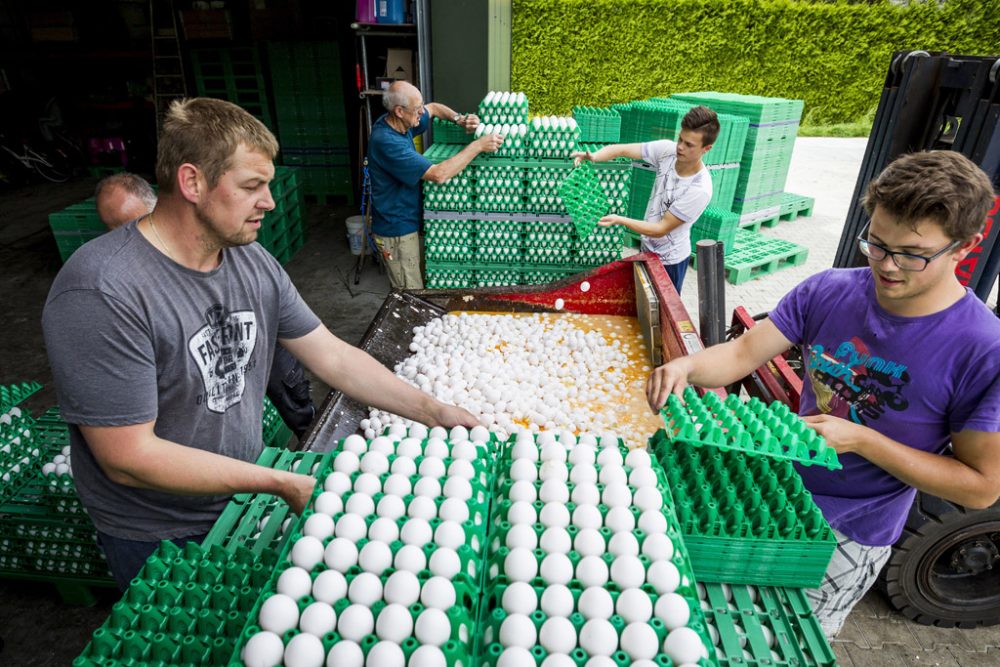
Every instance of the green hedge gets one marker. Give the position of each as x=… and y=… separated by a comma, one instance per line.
x=833, y=56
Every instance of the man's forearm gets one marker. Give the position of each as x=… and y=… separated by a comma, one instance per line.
x=456, y=163
x=653, y=229
x=442, y=111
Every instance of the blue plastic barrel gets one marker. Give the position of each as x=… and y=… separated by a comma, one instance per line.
x=390, y=11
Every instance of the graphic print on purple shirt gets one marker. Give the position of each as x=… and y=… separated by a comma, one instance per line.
x=916, y=380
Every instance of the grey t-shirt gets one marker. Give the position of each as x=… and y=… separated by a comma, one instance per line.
x=134, y=337
x=686, y=197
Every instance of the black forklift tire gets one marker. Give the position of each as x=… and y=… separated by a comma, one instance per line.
x=945, y=568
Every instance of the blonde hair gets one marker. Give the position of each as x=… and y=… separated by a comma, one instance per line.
x=206, y=133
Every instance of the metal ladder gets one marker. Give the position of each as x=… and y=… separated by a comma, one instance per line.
x=169, y=83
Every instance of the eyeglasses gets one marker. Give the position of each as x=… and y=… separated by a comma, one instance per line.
x=905, y=261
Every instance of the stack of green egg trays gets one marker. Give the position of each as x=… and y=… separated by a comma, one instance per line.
x=753, y=427
x=584, y=199
x=716, y=224
x=19, y=449
x=558, y=140
x=498, y=580
x=75, y=225
x=724, y=180
x=764, y=626
x=14, y=394
x=344, y=463
x=184, y=609
x=746, y=519
x=233, y=74
x=261, y=522
x=598, y=125
x=660, y=118
x=446, y=132
x=756, y=255
x=499, y=187
x=282, y=232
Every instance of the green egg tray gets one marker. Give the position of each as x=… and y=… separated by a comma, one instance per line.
x=745, y=519
x=584, y=199
x=184, y=609
x=13, y=394
x=764, y=626
x=752, y=427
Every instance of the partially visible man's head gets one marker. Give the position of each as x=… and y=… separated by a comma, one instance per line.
x=206, y=133
x=943, y=187
x=704, y=121
x=122, y=198
x=403, y=101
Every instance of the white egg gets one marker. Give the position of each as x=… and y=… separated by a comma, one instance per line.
x=385, y=654
x=642, y=477
x=418, y=431
x=444, y=562
x=596, y=602
x=638, y=458
x=365, y=589
x=598, y=637
x=264, y=649
x=522, y=512
x=523, y=470
x=355, y=443
x=394, y=623
x=515, y=656
x=479, y=434
x=410, y=558
x=520, y=565
x=673, y=610
x=683, y=645
x=307, y=552
x=318, y=619
x=557, y=635
x=422, y=507
x=557, y=600
x=329, y=502
x=582, y=454
x=351, y=526
x=391, y=507
x=347, y=463
x=596, y=661
x=402, y=588
x=623, y=544
x=524, y=449
x=639, y=640
x=341, y=554
x=438, y=432
x=589, y=542
x=634, y=605
x=609, y=439
x=458, y=433
x=545, y=438
x=438, y=593
x=367, y=483
x=521, y=535
x=433, y=627
x=295, y=582
x=304, y=650
x=416, y=532
x=384, y=530
x=663, y=576
x=616, y=495
x=628, y=572
x=587, y=516
x=403, y=465
x=431, y=466
x=427, y=656
x=553, y=451
x=648, y=498
x=360, y=504
x=428, y=487
x=613, y=475
x=409, y=447
x=466, y=451
x=620, y=520
x=523, y=491
x=319, y=526
x=519, y=598
x=517, y=630
x=458, y=487
x=453, y=509
x=278, y=614
x=374, y=462
x=461, y=468
x=556, y=568
x=554, y=491
x=653, y=522
x=556, y=540
x=586, y=493
x=592, y=571
x=345, y=653
x=449, y=534
x=375, y=557
x=330, y=587
x=554, y=514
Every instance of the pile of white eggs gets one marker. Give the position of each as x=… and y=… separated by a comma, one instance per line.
x=17, y=451
x=511, y=370
x=631, y=574
x=400, y=518
x=61, y=464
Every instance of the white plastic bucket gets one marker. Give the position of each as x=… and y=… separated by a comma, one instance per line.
x=356, y=233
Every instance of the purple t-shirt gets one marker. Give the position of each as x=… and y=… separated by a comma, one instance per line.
x=913, y=379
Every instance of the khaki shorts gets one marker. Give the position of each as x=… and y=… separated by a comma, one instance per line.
x=401, y=256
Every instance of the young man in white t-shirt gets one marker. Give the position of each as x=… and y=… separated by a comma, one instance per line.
x=681, y=192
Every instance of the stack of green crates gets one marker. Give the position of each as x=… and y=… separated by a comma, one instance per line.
x=75, y=225
x=282, y=232
x=774, y=123
x=754, y=256
x=312, y=122
x=598, y=125
x=447, y=132
x=716, y=224
x=233, y=74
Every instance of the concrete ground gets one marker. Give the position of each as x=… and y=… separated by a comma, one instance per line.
x=39, y=629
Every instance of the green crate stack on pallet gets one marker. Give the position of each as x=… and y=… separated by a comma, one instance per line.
x=233, y=74
x=75, y=225
x=598, y=125
x=310, y=115
x=755, y=256
x=774, y=123
x=716, y=224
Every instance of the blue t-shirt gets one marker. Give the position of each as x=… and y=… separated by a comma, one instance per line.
x=913, y=379
x=396, y=168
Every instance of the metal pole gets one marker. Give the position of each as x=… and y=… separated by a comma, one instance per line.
x=711, y=292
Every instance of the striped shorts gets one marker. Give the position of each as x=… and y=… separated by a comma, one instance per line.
x=851, y=573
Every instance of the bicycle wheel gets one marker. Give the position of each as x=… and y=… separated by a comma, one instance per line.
x=47, y=170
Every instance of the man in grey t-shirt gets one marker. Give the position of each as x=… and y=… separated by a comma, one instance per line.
x=681, y=192
x=161, y=333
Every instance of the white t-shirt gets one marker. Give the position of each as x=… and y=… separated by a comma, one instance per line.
x=686, y=197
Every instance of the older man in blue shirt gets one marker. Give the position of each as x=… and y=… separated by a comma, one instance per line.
x=396, y=170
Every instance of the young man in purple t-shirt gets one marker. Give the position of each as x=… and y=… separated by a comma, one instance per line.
x=902, y=364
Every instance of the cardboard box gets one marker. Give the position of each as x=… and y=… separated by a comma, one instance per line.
x=399, y=64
